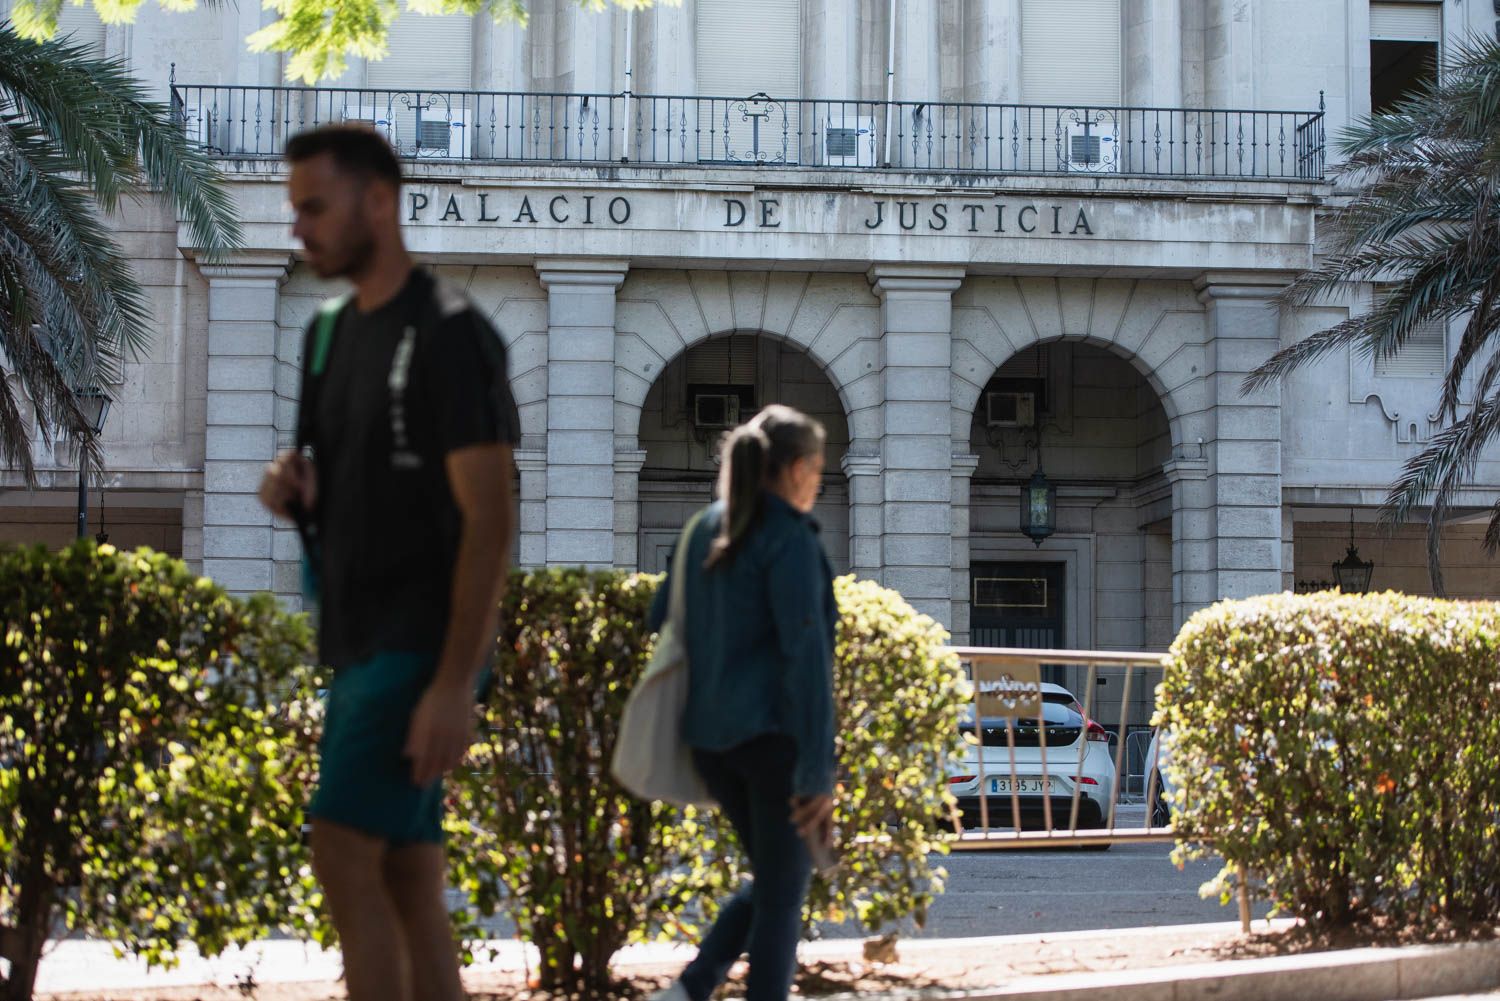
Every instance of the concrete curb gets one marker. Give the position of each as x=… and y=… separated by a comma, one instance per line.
x=1369, y=974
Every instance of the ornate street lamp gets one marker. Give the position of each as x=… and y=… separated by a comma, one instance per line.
x=95, y=407
x=1352, y=573
x=1038, y=506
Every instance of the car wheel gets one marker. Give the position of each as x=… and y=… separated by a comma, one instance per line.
x=1161, y=813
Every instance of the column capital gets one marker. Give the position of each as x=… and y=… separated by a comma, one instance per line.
x=919, y=278
x=1185, y=469
x=530, y=460
x=859, y=464
x=964, y=464
x=255, y=266
x=630, y=461
x=581, y=271
x=1212, y=285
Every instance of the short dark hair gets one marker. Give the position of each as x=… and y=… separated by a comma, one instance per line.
x=356, y=149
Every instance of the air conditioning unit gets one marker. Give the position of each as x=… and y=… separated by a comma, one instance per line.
x=716, y=410
x=1091, y=148
x=848, y=140
x=1009, y=410
x=201, y=125
x=436, y=133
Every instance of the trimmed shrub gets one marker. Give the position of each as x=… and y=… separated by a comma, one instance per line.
x=156, y=746
x=1343, y=749
x=543, y=830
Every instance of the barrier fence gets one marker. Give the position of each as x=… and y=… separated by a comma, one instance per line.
x=1039, y=768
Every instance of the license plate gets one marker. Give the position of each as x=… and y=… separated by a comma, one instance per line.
x=1024, y=785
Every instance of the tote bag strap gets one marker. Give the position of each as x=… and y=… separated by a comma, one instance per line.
x=677, y=600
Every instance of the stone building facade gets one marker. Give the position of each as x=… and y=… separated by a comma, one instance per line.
x=1089, y=235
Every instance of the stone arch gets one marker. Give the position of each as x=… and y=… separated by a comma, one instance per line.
x=834, y=318
x=1159, y=327
x=676, y=462
x=515, y=302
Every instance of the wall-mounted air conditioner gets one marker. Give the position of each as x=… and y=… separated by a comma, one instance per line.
x=435, y=133
x=716, y=410
x=848, y=140
x=1091, y=148
x=1009, y=410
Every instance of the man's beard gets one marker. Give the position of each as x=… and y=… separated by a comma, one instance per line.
x=359, y=250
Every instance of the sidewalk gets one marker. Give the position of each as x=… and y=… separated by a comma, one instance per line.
x=1175, y=963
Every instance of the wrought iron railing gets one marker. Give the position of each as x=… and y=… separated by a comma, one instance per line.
x=255, y=122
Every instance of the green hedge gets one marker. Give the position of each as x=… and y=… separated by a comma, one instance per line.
x=1345, y=750
x=542, y=830
x=156, y=749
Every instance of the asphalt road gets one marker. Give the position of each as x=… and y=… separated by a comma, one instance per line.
x=1013, y=893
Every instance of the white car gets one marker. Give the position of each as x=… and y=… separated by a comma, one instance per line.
x=1157, y=785
x=1068, y=731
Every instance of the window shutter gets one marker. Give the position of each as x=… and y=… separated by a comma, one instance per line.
x=1070, y=52
x=1423, y=356
x=426, y=52
x=1406, y=21
x=81, y=22
x=745, y=48
x=712, y=362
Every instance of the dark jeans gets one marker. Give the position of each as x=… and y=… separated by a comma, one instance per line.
x=753, y=785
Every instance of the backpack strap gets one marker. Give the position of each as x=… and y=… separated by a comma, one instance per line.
x=324, y=326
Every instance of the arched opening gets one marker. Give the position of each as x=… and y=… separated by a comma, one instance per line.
x=704, y=392
x=1104, y=580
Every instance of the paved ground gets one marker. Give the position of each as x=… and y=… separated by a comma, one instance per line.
x=1012, y=893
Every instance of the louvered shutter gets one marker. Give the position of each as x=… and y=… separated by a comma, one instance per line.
x=80, y=22
x=744, y=49
x=1405, y=22
x=1423, y=356
x=722, y=361
x=413, y=94
x=1070, y=52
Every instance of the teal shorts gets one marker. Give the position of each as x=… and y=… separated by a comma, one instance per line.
x=364, y=779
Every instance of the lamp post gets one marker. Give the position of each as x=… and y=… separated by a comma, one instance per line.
x=95, y=407
x=1352, y=573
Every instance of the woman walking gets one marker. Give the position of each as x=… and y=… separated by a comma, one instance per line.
x=760, y=620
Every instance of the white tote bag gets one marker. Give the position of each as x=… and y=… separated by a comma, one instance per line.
x=650, y=759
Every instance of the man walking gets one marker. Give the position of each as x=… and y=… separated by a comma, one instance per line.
x=402, y=485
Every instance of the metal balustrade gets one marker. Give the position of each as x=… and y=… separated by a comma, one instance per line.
x=247, y=123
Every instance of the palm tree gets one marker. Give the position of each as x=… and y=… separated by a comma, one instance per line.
x=1425, y=224
x=76, y=135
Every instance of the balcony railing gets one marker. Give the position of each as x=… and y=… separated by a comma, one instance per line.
x=761, y=131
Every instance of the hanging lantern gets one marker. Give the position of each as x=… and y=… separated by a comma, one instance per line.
x=1038, y=507
x=1352, y=573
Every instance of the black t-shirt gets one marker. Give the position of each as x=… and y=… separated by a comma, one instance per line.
x=404, y=385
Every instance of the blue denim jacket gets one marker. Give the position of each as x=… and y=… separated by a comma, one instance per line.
x=759, y=640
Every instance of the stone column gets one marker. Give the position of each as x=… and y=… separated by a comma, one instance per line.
x=531, y=465
x=1193, y=583
x=916, y=447
x=580, y=525
x=628, y=466
x=1229, y=54
x=241, y=548
x=964, y=465
x=991, y=50
x=918, y=64
x=862, y=469
x=1153, y=54
x=1244, y=456
x=832, y=71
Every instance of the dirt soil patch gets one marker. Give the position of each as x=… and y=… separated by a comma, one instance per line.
x=909, y=967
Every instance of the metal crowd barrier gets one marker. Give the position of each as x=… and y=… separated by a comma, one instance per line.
x=1008, y=696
